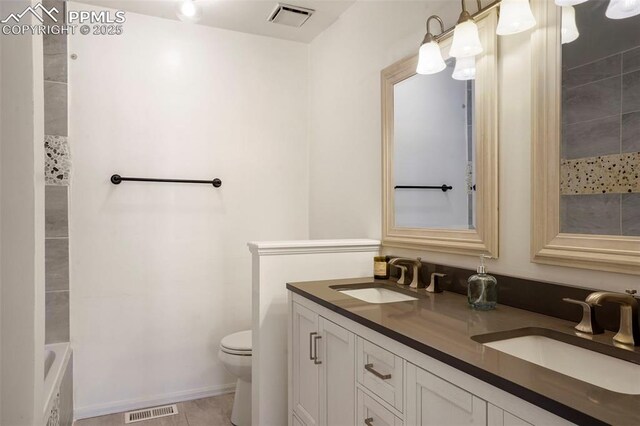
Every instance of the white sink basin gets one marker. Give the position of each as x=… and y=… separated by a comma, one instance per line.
x=377, y=295
x=583, y=364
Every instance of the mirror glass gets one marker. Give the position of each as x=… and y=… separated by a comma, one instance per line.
x=433, y=152
x=600, y=149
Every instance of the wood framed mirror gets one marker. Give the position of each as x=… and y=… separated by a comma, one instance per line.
x=586, y=139
x=440, y=153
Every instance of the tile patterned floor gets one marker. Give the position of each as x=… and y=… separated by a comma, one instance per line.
x=214, y=411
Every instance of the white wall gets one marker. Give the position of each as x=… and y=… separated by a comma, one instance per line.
x=161, y=272
x=21, y=226
x=345, y=180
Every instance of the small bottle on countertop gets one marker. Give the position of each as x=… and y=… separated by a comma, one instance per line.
x=380, y=268
x=483, y=288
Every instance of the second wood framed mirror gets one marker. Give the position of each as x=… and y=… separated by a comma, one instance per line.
x=586, y=139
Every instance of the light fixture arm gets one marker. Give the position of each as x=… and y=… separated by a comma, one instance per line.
x=437, y=18
x=464, y=8
x=429, y=37
x=492, y=5
x=465, y=15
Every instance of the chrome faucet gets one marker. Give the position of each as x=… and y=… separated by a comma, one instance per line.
x=629, y=332
x=415, y=278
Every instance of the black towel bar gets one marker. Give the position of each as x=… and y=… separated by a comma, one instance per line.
x=443, y=188
x=117, y=180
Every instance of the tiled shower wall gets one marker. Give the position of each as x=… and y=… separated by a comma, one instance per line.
x=600, y=162
x=57, y=167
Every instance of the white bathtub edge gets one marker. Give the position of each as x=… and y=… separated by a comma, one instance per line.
x=56, y=373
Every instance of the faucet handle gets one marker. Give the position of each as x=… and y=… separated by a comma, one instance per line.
x=588, y=324
x=434, y=286
x=415, y=278
x=403, y=274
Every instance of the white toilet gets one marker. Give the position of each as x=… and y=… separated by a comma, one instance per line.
x=235, y=354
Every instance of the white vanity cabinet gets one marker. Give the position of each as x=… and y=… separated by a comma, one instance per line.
x=323, y=370
x=342, y=373
x=435, y=402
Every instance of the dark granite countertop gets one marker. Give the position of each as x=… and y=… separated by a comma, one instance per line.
x=441, y=325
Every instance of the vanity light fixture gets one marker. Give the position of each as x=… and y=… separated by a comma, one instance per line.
x=466, y=41
x=569, y=30
x=620, y=9
x=465, y=68
x=516, y=16
x=189, y=11
x=430, y=57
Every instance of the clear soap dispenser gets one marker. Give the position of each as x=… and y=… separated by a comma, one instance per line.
x=483, y=288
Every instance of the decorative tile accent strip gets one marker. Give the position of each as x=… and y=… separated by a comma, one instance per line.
x=57, y=161
x=605, y=174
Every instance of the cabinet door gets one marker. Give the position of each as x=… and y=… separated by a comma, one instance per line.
x=306, y=395
x=337, y=374
x=496, y=416
x=433, y=401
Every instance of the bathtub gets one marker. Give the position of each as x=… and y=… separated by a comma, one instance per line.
x=56, y=359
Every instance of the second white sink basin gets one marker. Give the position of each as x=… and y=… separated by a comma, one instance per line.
x=377, y=295
x=583, y=364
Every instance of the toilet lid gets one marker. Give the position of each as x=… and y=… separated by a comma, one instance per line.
x=240, y=341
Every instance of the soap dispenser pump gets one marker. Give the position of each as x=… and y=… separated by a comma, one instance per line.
x=483, y=288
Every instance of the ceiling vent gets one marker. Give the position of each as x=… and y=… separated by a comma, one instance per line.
x=292, y=16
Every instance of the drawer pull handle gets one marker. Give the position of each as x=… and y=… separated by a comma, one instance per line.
x=370, y=369
x=369, y=421
x=311, y=345
x=315, y=349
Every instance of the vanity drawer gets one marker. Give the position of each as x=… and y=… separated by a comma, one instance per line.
x=381, y=372
x=372, y=413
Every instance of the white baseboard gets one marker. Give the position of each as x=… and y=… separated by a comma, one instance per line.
x=135, y=404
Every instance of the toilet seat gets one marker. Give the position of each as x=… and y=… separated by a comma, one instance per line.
x=237, y=343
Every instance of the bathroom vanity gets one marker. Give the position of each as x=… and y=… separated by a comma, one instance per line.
x=431, y=360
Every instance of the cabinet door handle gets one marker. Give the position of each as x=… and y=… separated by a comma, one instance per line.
x=311, y=335
x=369, y=421
x=315, y=349
x=370, y=369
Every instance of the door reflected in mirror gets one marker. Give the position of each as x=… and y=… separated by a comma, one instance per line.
x=434, y=151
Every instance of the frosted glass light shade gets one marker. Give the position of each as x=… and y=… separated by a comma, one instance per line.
x=466, y=40
x=569, y=2
x=569, y=29
x=620, y=9
x=465, y=68
x=430, y=59
x=515, y=17
x=189, y=11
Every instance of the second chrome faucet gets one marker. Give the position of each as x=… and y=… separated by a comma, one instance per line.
x=629, y=330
